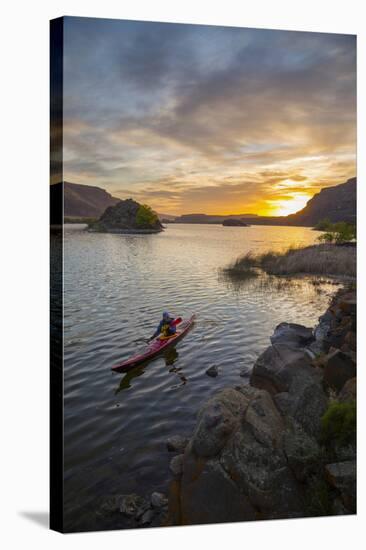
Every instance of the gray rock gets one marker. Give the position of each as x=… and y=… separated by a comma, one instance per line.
x=349, y=391
x=338, y=368
x=212, y=371
x=273, y=370
x=176, y=465
x=307, y=401
x=158, y=500
x=208, y=495
x=302, y=451
x=338, y=508
x=316, y=348
x=236, y=452
x=348, y=304
x=342, y=476
x=263, y=419
x=351, y=340
x=244, y=372
x=133, y=505
x=216, y=421
x=292, y=334
x=262, y=473
x=147, y=517
x=111, y=504
x=345, y=451
x=176, y=443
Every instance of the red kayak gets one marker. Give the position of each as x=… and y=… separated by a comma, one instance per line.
x=153, y=349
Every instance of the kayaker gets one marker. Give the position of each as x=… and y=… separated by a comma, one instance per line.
x=166, y=327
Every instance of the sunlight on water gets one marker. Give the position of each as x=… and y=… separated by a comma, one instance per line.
x=116, y=287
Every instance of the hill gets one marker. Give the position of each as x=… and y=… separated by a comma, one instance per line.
x=83, y=201
x=211, y=218
x=337, y=203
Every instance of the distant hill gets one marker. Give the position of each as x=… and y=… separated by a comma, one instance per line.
x=82, y=201
x=86, y=200
x=336, y=203
x=210, y=218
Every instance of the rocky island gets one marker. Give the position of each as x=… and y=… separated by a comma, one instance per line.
x=232, y=222
x=127, y=216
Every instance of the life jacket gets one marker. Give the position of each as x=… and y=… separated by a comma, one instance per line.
x=166, y=328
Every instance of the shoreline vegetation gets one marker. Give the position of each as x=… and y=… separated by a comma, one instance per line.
x=324, y=259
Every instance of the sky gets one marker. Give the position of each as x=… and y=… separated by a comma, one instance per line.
x=192, y=118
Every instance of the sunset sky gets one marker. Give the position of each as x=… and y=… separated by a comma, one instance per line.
x=207, y=119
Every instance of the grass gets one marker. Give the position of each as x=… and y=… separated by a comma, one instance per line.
x=339, y=423
x=319, y=259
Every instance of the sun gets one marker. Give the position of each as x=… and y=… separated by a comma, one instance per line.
x=290, y=205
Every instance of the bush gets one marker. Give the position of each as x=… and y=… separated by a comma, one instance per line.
x=145, y=216
x=323, y=225
x=340, y=232
x=339, y=423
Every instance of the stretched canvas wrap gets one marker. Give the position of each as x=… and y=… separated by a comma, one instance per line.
x=203, y=274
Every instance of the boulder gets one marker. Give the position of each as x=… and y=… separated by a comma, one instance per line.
x=111, y=504
x=348, y=304
x=262, y=473
x=350, y=340
x=262, y=416
x=147, y=517
x=216, y=421
x=176, y=444
x=176, y=465
x=349, y=391
x=342, y=476
x=208, y=495
x=307, y=401
x=236, y=452
x=302, y=451
x=133, y=505
x=337, y=336
x=339, y=367
x=292, y=334
x=274, y=368
x=158, y=500
x=212, y=371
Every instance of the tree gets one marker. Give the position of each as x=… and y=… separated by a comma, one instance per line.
x=145, y=216
x=338, y=233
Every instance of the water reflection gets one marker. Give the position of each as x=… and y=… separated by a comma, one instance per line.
x=170, y=356
x=126, y=380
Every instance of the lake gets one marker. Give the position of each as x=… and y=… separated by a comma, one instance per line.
x=116, y=287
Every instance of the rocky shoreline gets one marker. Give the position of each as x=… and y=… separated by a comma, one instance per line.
x=283, y=446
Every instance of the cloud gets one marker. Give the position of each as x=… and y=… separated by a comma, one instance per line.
x=186, y=114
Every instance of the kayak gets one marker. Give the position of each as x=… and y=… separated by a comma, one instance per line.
x=157, y=346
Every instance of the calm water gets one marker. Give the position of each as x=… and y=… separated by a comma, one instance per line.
x=116, y=287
